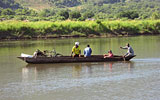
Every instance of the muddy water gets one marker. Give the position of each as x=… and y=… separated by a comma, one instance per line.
x=135, y=80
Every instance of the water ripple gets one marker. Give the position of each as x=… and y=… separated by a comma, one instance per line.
x=44, y=86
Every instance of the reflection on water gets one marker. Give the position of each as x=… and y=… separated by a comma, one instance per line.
x=131, y=66
x=32, y=71
x=102, y=77
x=76, y=70
x=88, y=68
x=108, y=65
x=29, y=74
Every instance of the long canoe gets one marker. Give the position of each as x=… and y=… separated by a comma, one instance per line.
x=69, y=59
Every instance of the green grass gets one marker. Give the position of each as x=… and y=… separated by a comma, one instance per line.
x=20, y=29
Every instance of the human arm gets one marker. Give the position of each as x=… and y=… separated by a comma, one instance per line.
x=84, y=52
x=71, y=54
x=73, y=49
x=124, y=47
x=105, y=55
x=80, y=53
x=91, y=50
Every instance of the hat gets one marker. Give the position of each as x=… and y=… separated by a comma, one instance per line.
x=77, y=43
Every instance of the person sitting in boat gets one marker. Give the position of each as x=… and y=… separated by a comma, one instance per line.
x=39, y=53
x=45, y=52
x=110, y=54
x=76, y=50
x=87, y=51
x=130, y=51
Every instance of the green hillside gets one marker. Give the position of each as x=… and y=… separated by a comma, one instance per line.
x=35, y=4
x=9, y=4
x=73, y=3
x=53, y=10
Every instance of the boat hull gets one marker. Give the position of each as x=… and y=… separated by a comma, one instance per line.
x=68, y=59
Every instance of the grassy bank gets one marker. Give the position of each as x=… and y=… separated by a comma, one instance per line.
x=19, y=29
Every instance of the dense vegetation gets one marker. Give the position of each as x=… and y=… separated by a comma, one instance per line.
x=53, y=10
x=9, y=4
x=49, y=18
x=21, y=29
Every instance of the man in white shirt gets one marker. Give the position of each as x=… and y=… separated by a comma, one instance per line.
x=87, y=51
x=130, y=51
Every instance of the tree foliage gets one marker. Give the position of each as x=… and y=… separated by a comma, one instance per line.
x=64, y=13
x=128, y=14
x=155, y=15
x=9, y=4
x=80, y=9
x=75, y=15
x=88, y=14
x=7, y=11
x=67, y=3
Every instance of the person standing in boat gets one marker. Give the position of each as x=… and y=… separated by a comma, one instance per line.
x=76, y=50
x=87, y=51
x=130, y=51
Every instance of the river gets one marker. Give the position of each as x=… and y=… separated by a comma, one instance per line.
x=138, y=79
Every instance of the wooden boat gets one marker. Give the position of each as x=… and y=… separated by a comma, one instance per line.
x=69, y=59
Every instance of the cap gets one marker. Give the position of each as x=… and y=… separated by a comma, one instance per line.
x=77, y=43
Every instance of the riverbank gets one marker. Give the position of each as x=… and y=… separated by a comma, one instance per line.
x=66, y=29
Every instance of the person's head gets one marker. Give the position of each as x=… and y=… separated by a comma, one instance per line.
x=110, y=51
x=44, y=51
x=88, y=45
x=37, y=50
x=76, y=44
x=127, y=45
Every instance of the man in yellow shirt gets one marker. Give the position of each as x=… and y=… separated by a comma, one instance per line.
x=76, y=50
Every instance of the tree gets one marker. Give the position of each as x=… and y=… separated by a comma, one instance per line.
x=64, y=13
x=128, y=14
x=0, y=11
x=33, y=13
x=25, y=12
x=67, y=3
x=155, y=15
x=52, y=12
x=74, y=15
x=88, y=14
x=9, y=4
x=7, y=11
x=44, y=13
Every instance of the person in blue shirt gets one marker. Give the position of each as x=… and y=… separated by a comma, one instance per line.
x=87, y=51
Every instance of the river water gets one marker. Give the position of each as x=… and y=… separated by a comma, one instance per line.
x=138, y=79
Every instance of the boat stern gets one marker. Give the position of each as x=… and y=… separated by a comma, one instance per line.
x=129, y=57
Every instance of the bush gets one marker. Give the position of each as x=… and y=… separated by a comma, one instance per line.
x=64, y=14
x=74, y=15
x=128, y=14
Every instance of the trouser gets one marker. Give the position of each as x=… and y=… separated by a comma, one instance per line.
x=76, y=55
x=128, y=54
